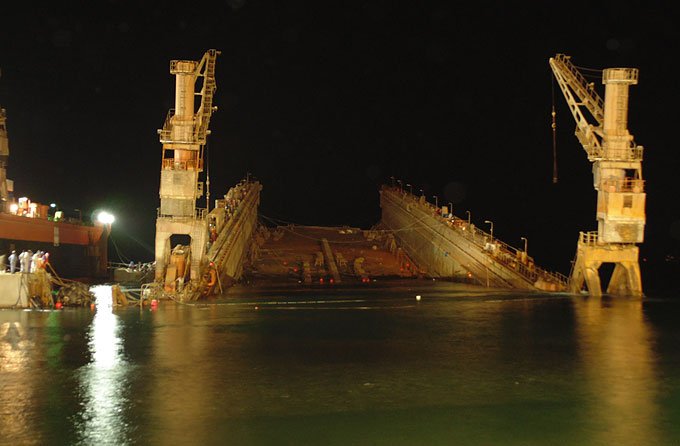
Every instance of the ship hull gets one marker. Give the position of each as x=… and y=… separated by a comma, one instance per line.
x=76, y=250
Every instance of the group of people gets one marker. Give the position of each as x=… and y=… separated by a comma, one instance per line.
x=233, y=198
x=27, y=261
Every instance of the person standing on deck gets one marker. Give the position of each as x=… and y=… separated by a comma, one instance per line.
x=35, y=259
x=13, y=262
x=25, y=261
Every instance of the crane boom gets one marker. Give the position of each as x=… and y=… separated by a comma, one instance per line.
x=584, y=90
x=617, y=176
x=585, y=132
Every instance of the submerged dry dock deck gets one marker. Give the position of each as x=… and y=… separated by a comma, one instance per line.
x=312, y=254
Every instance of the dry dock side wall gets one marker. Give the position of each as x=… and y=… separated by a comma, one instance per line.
x=452, y=249
x=230, y=250
x=13, y=290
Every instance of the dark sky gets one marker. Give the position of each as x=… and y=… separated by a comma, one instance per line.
x=323, y=101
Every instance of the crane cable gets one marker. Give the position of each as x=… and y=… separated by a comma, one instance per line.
x=554, y=130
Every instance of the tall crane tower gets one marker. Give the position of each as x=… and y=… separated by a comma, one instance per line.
x=4, y=156
x=617, y=177
x=184, y=135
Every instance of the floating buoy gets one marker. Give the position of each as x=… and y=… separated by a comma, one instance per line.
x=57, y=306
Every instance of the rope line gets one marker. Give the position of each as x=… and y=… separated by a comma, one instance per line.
x=595, y=70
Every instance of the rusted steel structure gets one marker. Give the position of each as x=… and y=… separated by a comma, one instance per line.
x=617, y=178
x=445, y=246
x=198, y=250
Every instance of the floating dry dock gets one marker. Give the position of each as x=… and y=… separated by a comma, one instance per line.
x=199, y=251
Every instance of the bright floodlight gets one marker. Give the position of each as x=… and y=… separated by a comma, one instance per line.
x=53, y=205
x=105, y=218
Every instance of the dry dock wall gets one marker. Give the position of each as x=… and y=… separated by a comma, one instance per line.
x=13, y=292
x=230, y=250
x=452, y=248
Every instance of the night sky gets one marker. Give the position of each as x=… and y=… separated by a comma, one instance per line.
x=324, y=101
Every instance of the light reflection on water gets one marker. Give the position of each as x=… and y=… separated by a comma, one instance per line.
x=616, y=353
x=16, y=393
x=349, y=367
x=103, y=380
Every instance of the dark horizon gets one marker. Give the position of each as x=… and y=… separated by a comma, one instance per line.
x=323, y=104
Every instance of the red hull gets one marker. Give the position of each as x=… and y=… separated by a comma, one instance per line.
x=75, y=250
x=14, y=227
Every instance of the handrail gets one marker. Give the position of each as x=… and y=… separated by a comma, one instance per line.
x=199, y=214
x=171, y=164
x=588, y=238
x=632, y=185
x=632, y=152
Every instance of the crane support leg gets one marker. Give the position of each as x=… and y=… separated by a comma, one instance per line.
x=586, y=271
x=625, y=280
x=592, y=273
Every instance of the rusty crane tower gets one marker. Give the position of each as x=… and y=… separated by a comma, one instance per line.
x=4, y=156
x=184, y=135
x=617, y=177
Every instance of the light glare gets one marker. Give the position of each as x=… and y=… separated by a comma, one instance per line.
x=105, y=218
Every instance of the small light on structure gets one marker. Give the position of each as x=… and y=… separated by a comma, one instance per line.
x=53, y=205
x=105, y=218
x=418, y=297
x=13, y=208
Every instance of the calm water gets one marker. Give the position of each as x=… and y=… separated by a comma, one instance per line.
x=369, y=366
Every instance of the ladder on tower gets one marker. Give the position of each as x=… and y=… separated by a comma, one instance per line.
x=207, y=93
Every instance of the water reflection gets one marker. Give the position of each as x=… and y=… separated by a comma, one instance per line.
x=13, y=345
x=616, y=351
x=103, y=381
x=16, y=392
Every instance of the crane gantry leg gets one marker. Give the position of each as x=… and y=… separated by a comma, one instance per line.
x=590, y=255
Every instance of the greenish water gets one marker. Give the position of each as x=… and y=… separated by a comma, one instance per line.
x=363, y=366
